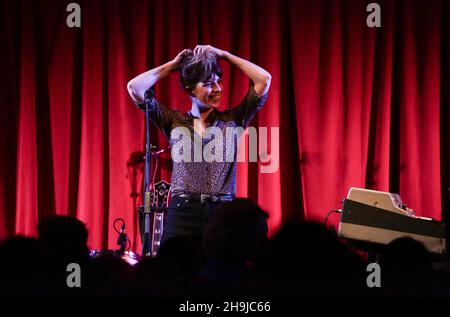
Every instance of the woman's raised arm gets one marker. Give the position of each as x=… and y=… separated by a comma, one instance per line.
x=259, y=76
x=141, y=83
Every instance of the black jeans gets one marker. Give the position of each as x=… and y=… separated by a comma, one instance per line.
x=186, y=218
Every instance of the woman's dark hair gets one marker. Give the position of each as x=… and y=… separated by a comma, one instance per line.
x=198, y=68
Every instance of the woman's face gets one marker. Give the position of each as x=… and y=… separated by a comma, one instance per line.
x=209, y=92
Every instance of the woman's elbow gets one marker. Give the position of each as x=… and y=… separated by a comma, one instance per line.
x=131, y=89
x=136, y=95
x=263, y=85
x=267, y=79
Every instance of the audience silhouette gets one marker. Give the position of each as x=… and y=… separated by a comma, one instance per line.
x=236, y=257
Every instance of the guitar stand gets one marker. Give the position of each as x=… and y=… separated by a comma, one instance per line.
x=159, y=197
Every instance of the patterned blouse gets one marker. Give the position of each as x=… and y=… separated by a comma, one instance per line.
x=202, y=169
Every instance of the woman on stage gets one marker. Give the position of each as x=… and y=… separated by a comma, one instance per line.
x=199, y=185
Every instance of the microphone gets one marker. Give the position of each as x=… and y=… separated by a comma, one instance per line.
x=122, y=239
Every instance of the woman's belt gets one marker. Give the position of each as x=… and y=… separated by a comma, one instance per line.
x=204, y=198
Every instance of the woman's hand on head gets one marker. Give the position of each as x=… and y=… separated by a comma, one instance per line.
x=208, y=48
x=176, y=62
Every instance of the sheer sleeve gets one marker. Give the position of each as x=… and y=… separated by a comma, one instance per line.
x=160, y=114
x=247, y=109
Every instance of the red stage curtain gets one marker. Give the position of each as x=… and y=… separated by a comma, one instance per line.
x=355, y=106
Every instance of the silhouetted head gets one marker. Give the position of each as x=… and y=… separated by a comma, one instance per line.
x=17, y=252
x=405, y=256
x=64, y=237
x=236, y=232
x=307, y=258
x=183, y=254
x=21, y=267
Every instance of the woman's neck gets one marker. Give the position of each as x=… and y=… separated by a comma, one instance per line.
x=199, y=110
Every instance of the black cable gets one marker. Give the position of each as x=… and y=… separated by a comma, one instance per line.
x=114, y=224
x=117, y=231
x=339, y=211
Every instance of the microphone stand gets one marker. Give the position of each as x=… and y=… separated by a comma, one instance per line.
x=146, y=249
